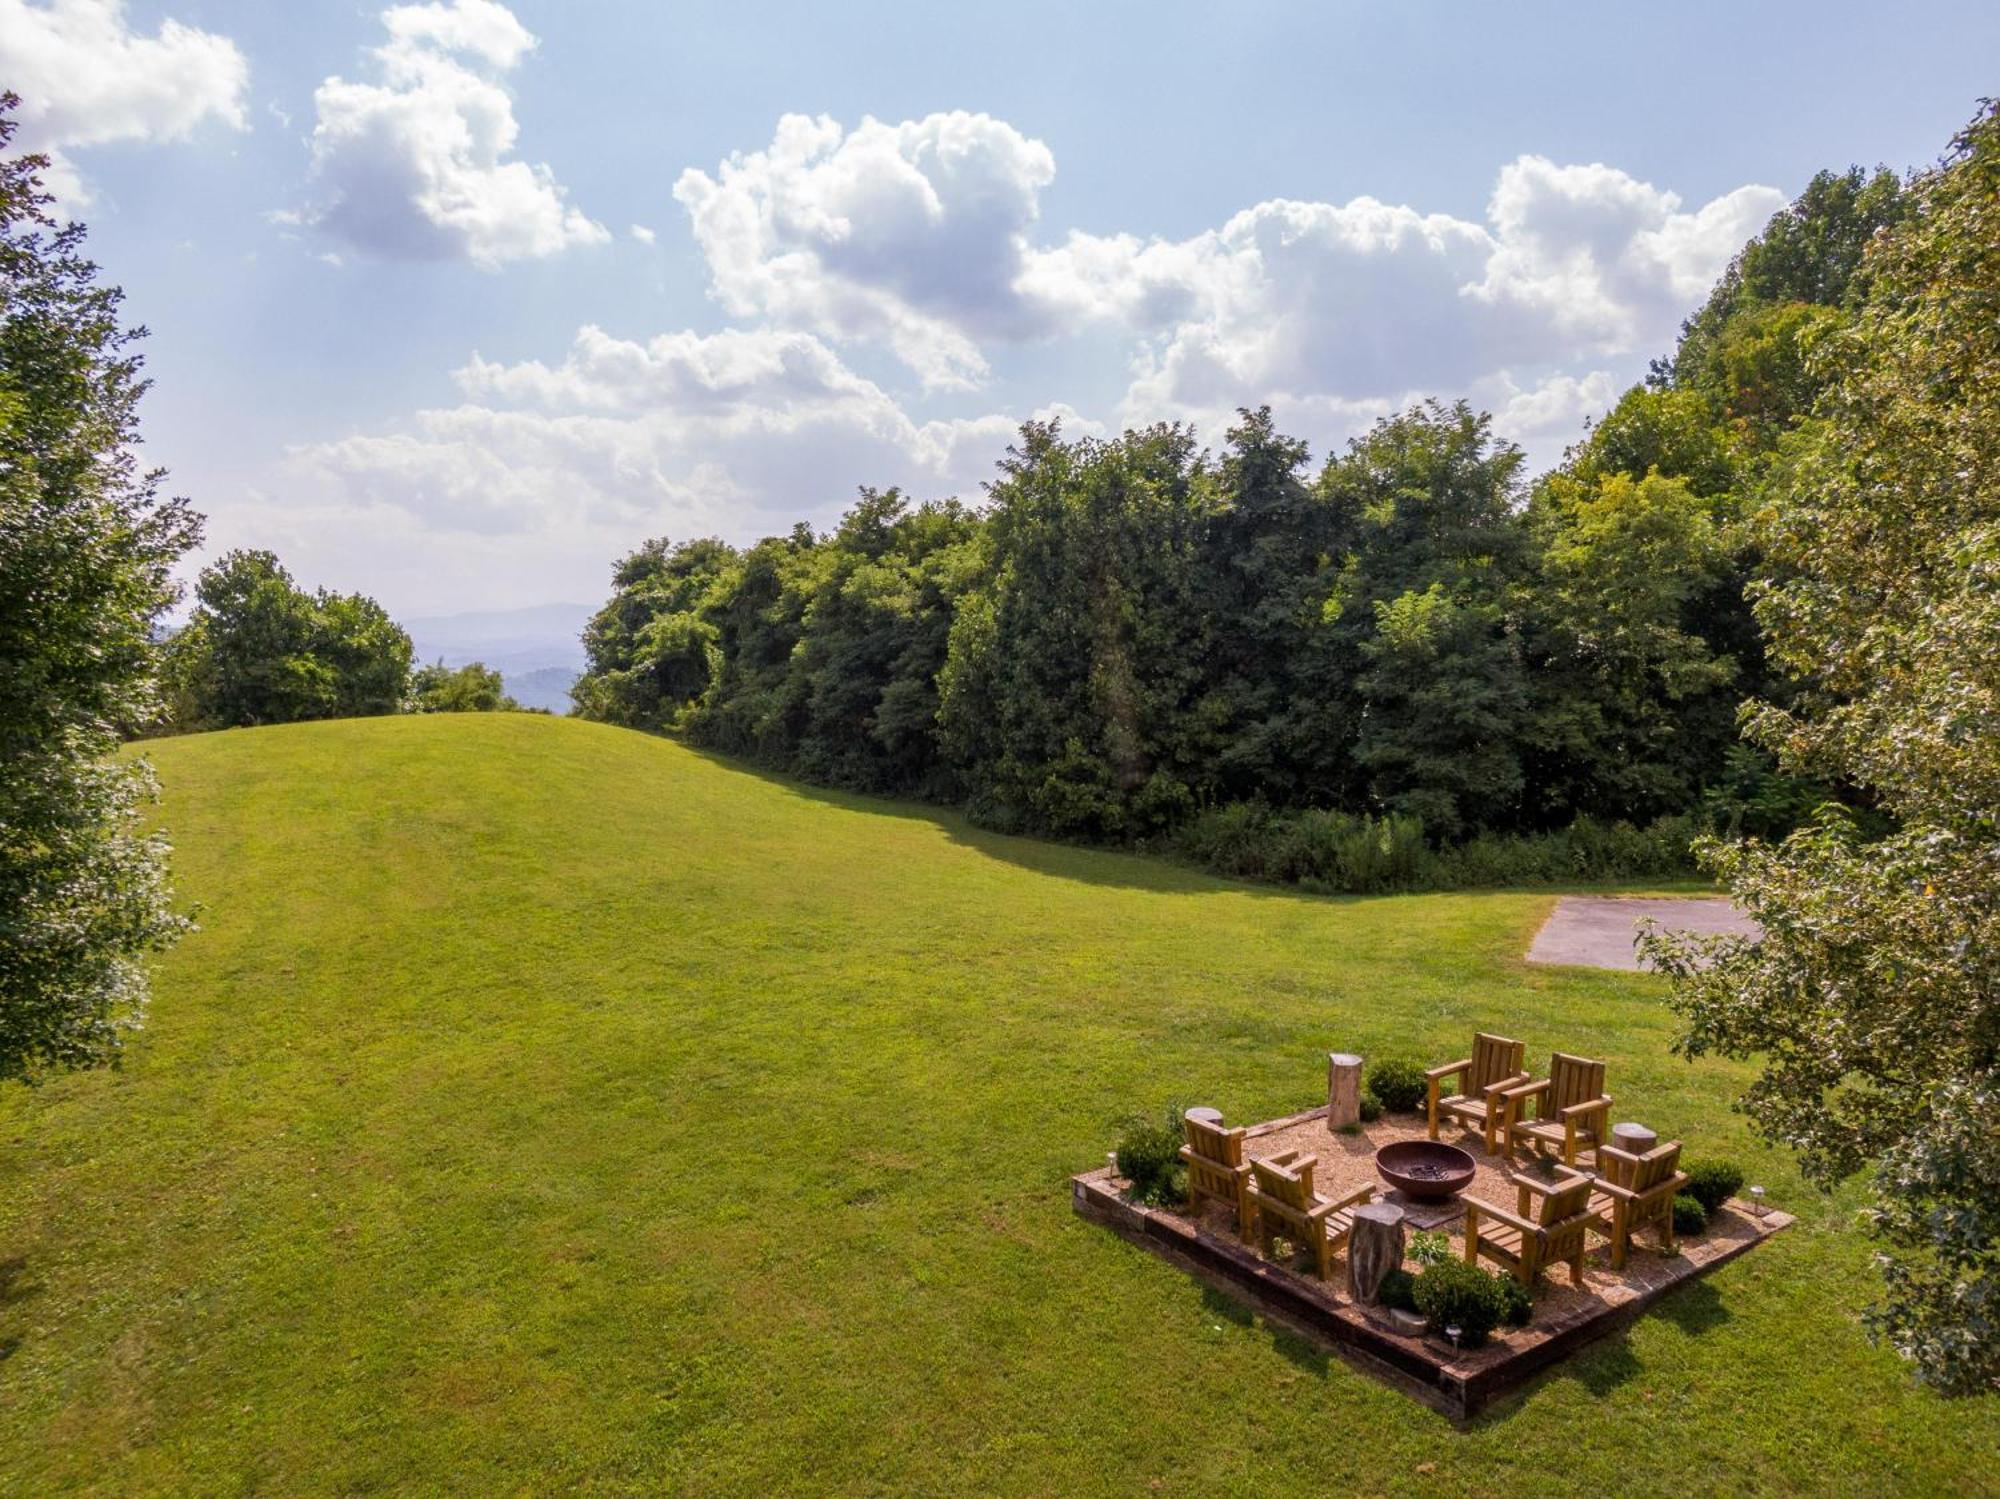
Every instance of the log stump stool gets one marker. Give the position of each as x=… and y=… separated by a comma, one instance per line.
x=1343, y=1090
x=1374, y=1248
x=1635, y=1139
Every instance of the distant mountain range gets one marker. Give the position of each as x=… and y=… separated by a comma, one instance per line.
x=538, y=650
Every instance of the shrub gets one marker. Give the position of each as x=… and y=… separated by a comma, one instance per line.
x=1712, y=1183
x=1452, y=1293
x=1371, y=1107
x=1429, y=1248
x=1149, y=1157
x=1398, y=1082
x=1690, y=1217
x=1399, y=1290
x=1516, y=1305
x=1360, y=855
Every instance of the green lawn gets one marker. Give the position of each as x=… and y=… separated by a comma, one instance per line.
x=544, y=1106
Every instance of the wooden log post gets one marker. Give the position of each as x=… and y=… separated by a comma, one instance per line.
x=1633, y=1138
x=1343, y=1089
x=1374, y=1248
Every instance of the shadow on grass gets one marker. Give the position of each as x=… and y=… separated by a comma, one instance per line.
x=1604, y=1368
x=13, y=1289
x=1295, y=1348
x=1156, y=869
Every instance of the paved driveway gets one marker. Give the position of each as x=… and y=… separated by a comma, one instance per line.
x=1596, y=931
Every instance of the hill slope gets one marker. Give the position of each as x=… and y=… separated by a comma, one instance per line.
x=545, y=1106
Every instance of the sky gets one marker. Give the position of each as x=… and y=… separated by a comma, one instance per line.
x=454, y=303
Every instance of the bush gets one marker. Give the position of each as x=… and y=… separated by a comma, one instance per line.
x=1399, y=1290
x=1452, y=1293
x=1712, y=1183
x=1149, y=1157
x=1516, y=1305
x=1690, y=1217
x=1371, y=1107
x=1359, y=855
x=1398, y=1082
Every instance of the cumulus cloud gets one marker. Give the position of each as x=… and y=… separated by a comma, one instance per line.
x=737, y=433
x=921, y=236
x=86, y=78
x=417, y=164
x=914, y=234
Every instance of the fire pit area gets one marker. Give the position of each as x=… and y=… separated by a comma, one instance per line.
x=1393, y=1157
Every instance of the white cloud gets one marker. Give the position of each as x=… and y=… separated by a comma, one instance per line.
x=642, y=234
x=565, y=465
x=416, y=165
x=914, y=234
x=920, y=235
x=86, y=78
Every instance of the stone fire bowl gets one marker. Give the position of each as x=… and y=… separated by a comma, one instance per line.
x=1427, y=1170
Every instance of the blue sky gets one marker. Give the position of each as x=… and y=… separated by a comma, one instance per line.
x=406, y=333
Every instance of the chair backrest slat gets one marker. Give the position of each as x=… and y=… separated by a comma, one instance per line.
x=1291, y=1185
x=1656, y=1166
x=1573, y=1080
x=1493, y=1058
x=1214, y=1143
x=1565, y=1202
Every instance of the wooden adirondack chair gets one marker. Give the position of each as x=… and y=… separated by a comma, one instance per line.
x=1572, y=1110
x=1493, y=1067
x=1281, y=1189
x=1215, y=1170
x=1539, y=1234
x=1634, y=1192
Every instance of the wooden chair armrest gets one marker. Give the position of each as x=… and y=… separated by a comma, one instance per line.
x=1319, y=1210
x=1512, y=1220
x=1529, y=1090
x=1588, y=1107
x=1355, y=1198
x=1435, y=1073
x=1282, y=1158
x=1496, y=1091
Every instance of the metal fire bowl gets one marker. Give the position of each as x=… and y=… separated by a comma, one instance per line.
x=1443, y=1170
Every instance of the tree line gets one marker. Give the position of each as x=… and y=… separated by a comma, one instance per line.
x=1135, y=639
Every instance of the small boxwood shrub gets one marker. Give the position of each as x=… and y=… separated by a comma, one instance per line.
x=1371, y=1107
x=1452, y=1293
x=1516, y=1305
x=1398, y=1082
x=1712, y=1183
x=1690, y=1217
x=1149, y=1157
x=1399, y=1290
x=1427, y=1248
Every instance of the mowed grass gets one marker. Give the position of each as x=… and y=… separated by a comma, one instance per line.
x=546, y=1107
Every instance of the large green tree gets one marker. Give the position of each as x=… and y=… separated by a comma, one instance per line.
x=1873, y=996
x=87, y=545
x=1422, y=602
x=258, y=649
x=1070, y=689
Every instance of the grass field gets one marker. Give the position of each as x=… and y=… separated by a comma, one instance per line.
x=543, y=1106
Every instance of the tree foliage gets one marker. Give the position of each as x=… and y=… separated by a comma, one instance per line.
x=1874, y=996
x=471, y=688
x=87, y=545
x=258, y=649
